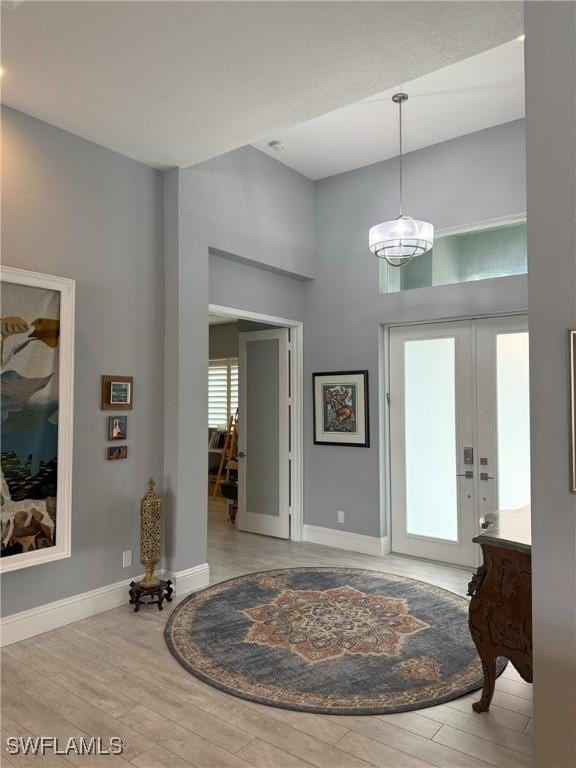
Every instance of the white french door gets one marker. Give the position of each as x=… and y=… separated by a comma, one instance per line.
x=459, y=432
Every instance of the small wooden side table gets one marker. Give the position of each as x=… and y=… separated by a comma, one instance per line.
x=500, y=614
x=152, y=595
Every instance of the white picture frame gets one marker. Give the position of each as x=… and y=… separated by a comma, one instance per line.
x=117, y=387
x=62, y=546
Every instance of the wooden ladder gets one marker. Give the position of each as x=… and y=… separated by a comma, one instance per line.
x=228, y=452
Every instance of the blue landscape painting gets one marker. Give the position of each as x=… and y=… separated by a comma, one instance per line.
x=30, y=328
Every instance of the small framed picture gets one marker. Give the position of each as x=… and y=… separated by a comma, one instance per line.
x=116, y=452
x=117, y=427
x=117, y=393
x=341, y=408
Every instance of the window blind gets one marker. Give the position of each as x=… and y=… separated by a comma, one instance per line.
x=222, y=391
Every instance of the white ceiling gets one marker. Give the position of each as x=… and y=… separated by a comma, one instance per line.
x=476, y=93
x=174, y=83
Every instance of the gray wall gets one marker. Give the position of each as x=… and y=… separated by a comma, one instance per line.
x=257, y=209
x=72, y=208
x=249, y=286
x=223, y=341
x=223, y=338
x=239, y=232
x=470, y=179
x=551, y=139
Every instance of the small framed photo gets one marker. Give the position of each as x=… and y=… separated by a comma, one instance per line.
x=341, y=408
x=116, y=452
x=117, y=393
x=117, y=427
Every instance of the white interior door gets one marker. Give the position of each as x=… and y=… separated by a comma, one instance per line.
x=431, y=439
x=459, y=432
x=264, y=433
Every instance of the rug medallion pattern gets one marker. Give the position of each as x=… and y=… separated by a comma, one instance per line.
x=329, y=640
x=319, y=625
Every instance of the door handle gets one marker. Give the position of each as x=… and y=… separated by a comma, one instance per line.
x=240, y=455
x=469, y=475
x=485, y=476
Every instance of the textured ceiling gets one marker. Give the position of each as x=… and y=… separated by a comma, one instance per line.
x=475, y=93
x=174, y=83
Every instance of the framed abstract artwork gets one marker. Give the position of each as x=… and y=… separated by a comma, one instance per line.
x=341, y=408
x=117, y=393
x=37, y=370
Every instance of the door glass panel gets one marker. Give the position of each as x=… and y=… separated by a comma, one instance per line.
x=430, y=438
x=513, y=420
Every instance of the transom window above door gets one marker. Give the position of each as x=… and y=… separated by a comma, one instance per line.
x=478, y=252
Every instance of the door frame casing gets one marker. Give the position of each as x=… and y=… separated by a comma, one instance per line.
x=297, y=390
x=384, y=389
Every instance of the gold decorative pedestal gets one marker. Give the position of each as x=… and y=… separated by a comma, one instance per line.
x=150, y=540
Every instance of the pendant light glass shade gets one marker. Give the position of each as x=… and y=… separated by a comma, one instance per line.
x=401, y=240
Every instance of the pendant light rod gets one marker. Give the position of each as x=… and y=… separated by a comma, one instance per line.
x=400, y=98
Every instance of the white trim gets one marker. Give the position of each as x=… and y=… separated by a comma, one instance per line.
x=189, y=580
x=297, y=507
x=354, y=542
x=36, y=621
x=476, y=226
x=297, y=340
x=255, y=317
x=62, y=546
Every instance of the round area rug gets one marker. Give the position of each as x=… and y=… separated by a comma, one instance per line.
x=328, y=640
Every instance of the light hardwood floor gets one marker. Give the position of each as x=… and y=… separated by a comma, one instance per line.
x=112, y=675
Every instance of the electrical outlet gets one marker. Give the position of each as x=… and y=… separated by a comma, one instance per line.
x=127, y=558
x=340, y=514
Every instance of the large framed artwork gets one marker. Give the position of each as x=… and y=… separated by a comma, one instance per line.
x=341, y=408
x=37, y=378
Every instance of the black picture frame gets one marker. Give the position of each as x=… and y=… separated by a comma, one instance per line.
x=361, y=438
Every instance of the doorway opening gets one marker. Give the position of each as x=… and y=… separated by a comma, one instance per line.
x=255, y=479
x=459, y=432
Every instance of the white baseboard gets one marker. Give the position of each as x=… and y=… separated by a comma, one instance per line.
x=35, y=621
x=354, y=542
x=189, y=580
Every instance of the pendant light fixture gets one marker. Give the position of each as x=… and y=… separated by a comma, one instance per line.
x=404, y=238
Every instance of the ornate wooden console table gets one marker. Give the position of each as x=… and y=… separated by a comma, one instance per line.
x=500, y=616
